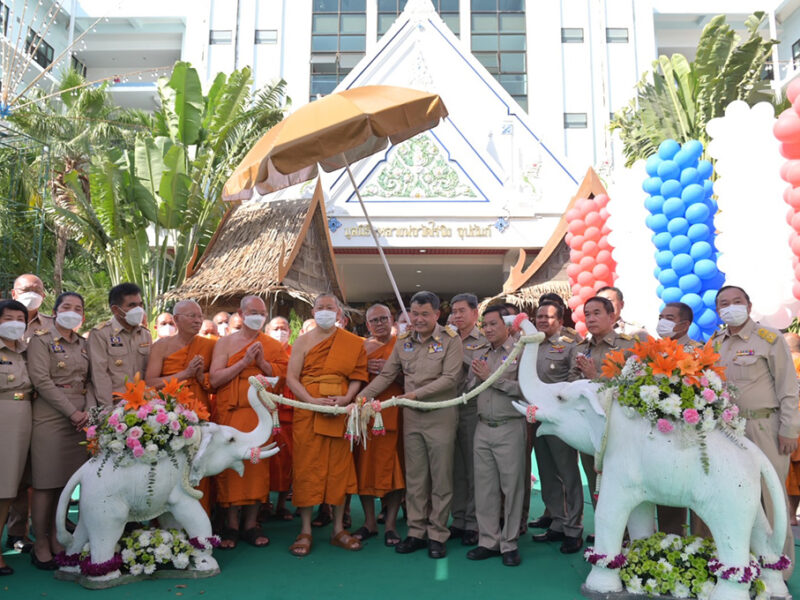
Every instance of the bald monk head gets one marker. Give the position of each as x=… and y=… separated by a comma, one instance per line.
x=308, y=325
x=793, y=340
x=235, y=323
x=165, y=325
x=278, y=329
x=254, y=312
x=327, y=311
x=29, y=290
x=188, y=318
x=209, y=329
x=380, y=322
x=221, y=320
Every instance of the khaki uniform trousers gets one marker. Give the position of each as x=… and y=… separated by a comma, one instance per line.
x=428, y=440
x=463, y=508
x=499, y=473
x=562, y=490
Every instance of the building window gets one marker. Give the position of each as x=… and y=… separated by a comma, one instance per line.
x=572, y=35
x=389, y=9
x=338, y=42
x=266, y=36
x=41, y=50
x=796, y=54
x=220, y=36
x=498, y=42
x=78, y=66
x=575, y=121
x=4, y=18
x=617, y=35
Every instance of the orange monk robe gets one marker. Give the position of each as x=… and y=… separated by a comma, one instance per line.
x=280, y=464
x=178, y=361
x=324, y=471
x=793, y=479
x=379, y=467
x=234, y=410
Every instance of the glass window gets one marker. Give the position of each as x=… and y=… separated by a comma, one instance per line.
x=796, y=53
x=220, y=36
x=324, y=43
x=348, y=61
x=484, y=5
x=512, y=23
x=512, y=42
x=384, y=22
x=483, y=23
x=387, y=5
x=4, y=17
x=522, y=101
x=453, y=22
x=511, y=5
x=490, y=61
x=617, y=35
x=338, y=40
x=353, y=24
x=511, y=62
x=481, y=43
x=323, y=63
x=326, y=5
x=575, y=121
x=323, y=84
x=515, y=84
x=388, y=10
x=572, y=35
x=354, y=5
x=352, y=43
x=266, y=36
x=325, y=24
x=448, y=6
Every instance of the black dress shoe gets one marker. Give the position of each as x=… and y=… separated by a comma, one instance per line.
x=6, y=571
x=512, y=558
x=542, y=522
x=456, y=532
x=409, y=545
x=49, y=565
x=19, y=543
x=571, y=545
x=549, y=536
x=436, y=549
x=482, y=553
x=590, y=539
x=469, y=537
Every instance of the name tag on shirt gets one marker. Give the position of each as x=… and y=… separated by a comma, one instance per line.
x=557, y=348
x=435, y=347
x=116, y=341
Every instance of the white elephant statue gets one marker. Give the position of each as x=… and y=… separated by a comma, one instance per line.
x=642, y=468
x=115, y=496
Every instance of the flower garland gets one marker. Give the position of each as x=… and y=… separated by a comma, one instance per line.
x=668, y=385
x=603, y=560
x=735, y=574
x=145, y=550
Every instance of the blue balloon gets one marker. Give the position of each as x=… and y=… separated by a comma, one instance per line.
x=697, y=213
x=656, y=272
x=707, y=319
x=651, y=166
x=682, y=264
x=694, y=147
x=668, y=148
x=701, y=250
x=662, y=240
x=708, y=188
x=671, y=188
x=715, y=282
x=698, y=232
x=678, y=226
x=694, y=332
x=693, y=301
x=661, y=307
x=710, y=298
x=659, y=290
x=712, y=205
x=652, y=185
x=689, y=176
x=664, y=259
x=692, y=194
x=669, y=169
x=690, y=284
x=672, y=294
x=705, y=268
x=668, y=277
x=704, y=169
x=657, y=223
x=654, y=203
x=680, y=244
x=683, y=158
x=673, y=208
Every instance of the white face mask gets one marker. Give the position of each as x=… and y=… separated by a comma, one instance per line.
x=12, y=330
x=401, y=327
x=222, y=328
x=30, y=300
x=166, y=330
x=69, y=319
x=665, y=328
x=735, y=314
x=254, y=321
x=279, y=335
x=325, y=318
x=134, y=316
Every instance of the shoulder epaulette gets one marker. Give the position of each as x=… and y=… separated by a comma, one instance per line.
x=41, y=331
x=567, y=339
x=403, y=335
x=102, y=325
x=450, y=331
x=625, y=336
x=769, y=336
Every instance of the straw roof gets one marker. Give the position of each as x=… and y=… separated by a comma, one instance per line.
x=266, y=248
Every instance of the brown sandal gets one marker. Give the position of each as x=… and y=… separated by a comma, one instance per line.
x=302, y=545
x=346, y=541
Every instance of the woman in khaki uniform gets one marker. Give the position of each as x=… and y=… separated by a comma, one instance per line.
x=15, y=407
x=58, y=364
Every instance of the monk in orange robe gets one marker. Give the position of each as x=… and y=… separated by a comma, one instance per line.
x=378, y=466
x=327, y=368
x=186, y=357
x=237, y=357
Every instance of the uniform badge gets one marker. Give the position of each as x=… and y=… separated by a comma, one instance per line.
x=745, y=353
x=61, y=364
x=557, y=348
x=472, y=346
x=116, y=341
x=56, y=347
x=118, y=362
x=144, y=345
x=434, y=347
x=12, y=377
x=4, y=360
x=408, y=346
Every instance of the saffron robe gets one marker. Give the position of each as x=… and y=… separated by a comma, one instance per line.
x=379, y=467
x=234, y=410
x=280, y=464
x=324, y=470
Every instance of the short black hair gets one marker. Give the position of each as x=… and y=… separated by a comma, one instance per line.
x=552, y=298
x=63, y=295
x=425, y=297
x=684, y=310
x=470, y=299
x=559, y=309
x=604, y=301
x=616, y=290
x=496, y=308
x=13, y=305
x=731, y=287
x=117, y=293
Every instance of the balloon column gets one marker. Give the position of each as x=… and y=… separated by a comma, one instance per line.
x=787, y=130
x=682, y=220
x=591, y=265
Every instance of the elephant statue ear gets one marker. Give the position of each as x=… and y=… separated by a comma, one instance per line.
x=206, y=434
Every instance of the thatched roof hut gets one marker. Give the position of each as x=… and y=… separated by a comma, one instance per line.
x=276, y=248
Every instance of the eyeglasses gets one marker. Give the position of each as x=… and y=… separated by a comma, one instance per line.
x=378, y=320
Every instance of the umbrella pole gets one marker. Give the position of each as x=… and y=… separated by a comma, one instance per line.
x=377, y=243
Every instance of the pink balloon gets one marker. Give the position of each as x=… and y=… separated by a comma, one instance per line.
x=598, y=285
x=793, y=90
x=572, y=214
x=576, y=227
x=585, y=294
x=604, y=244
x=573, y=270
x=796, y=290
x=604, y=257
x=604, y=214
x=589, y=248
x=792, y=197
x=601, y=200
x=797, y=272
x=587, y=206
x=605, y=230
x=577, y=313
x=577, y=241
x=573, y=302
x=796, y=246
x=593, y=219
x=580, y=327
x=575, y=256
x=587, y=263
x=791, y=172
x=794, y=221
x=592, y=233
x=790, y=150
x=787, y=127
x=586, y=278
x=790, y=217
x=601, y=272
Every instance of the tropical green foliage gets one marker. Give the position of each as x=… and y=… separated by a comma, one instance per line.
x=679, y=97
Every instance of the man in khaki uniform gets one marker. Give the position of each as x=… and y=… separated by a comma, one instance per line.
x=430, y=358
x=119, y=348
x=758, y=362
x=499, y=447
x=562, y=490
x=29, y=291
x=465, y=526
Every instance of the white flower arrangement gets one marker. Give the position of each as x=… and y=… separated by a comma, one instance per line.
x=145, y=550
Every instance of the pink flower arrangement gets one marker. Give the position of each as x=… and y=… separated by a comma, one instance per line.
x=188, y=432
x=691, y=416
x=162, y=417
x=132, y=443
x=135, y=432
x=709, y=395
x=175, y=425
x=138, y=452
x=664, y=426
x=91, y=432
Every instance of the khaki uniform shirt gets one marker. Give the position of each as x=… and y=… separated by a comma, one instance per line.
x=116, y=355
x=474, y=346
x=14, y=379
x=688, y=343
x=431, y=367
x=556, y=357
x=758, y=362
x=38, y=323
x=597, y=348
x=633, y=329
x=59, y=368
x=494, y=403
